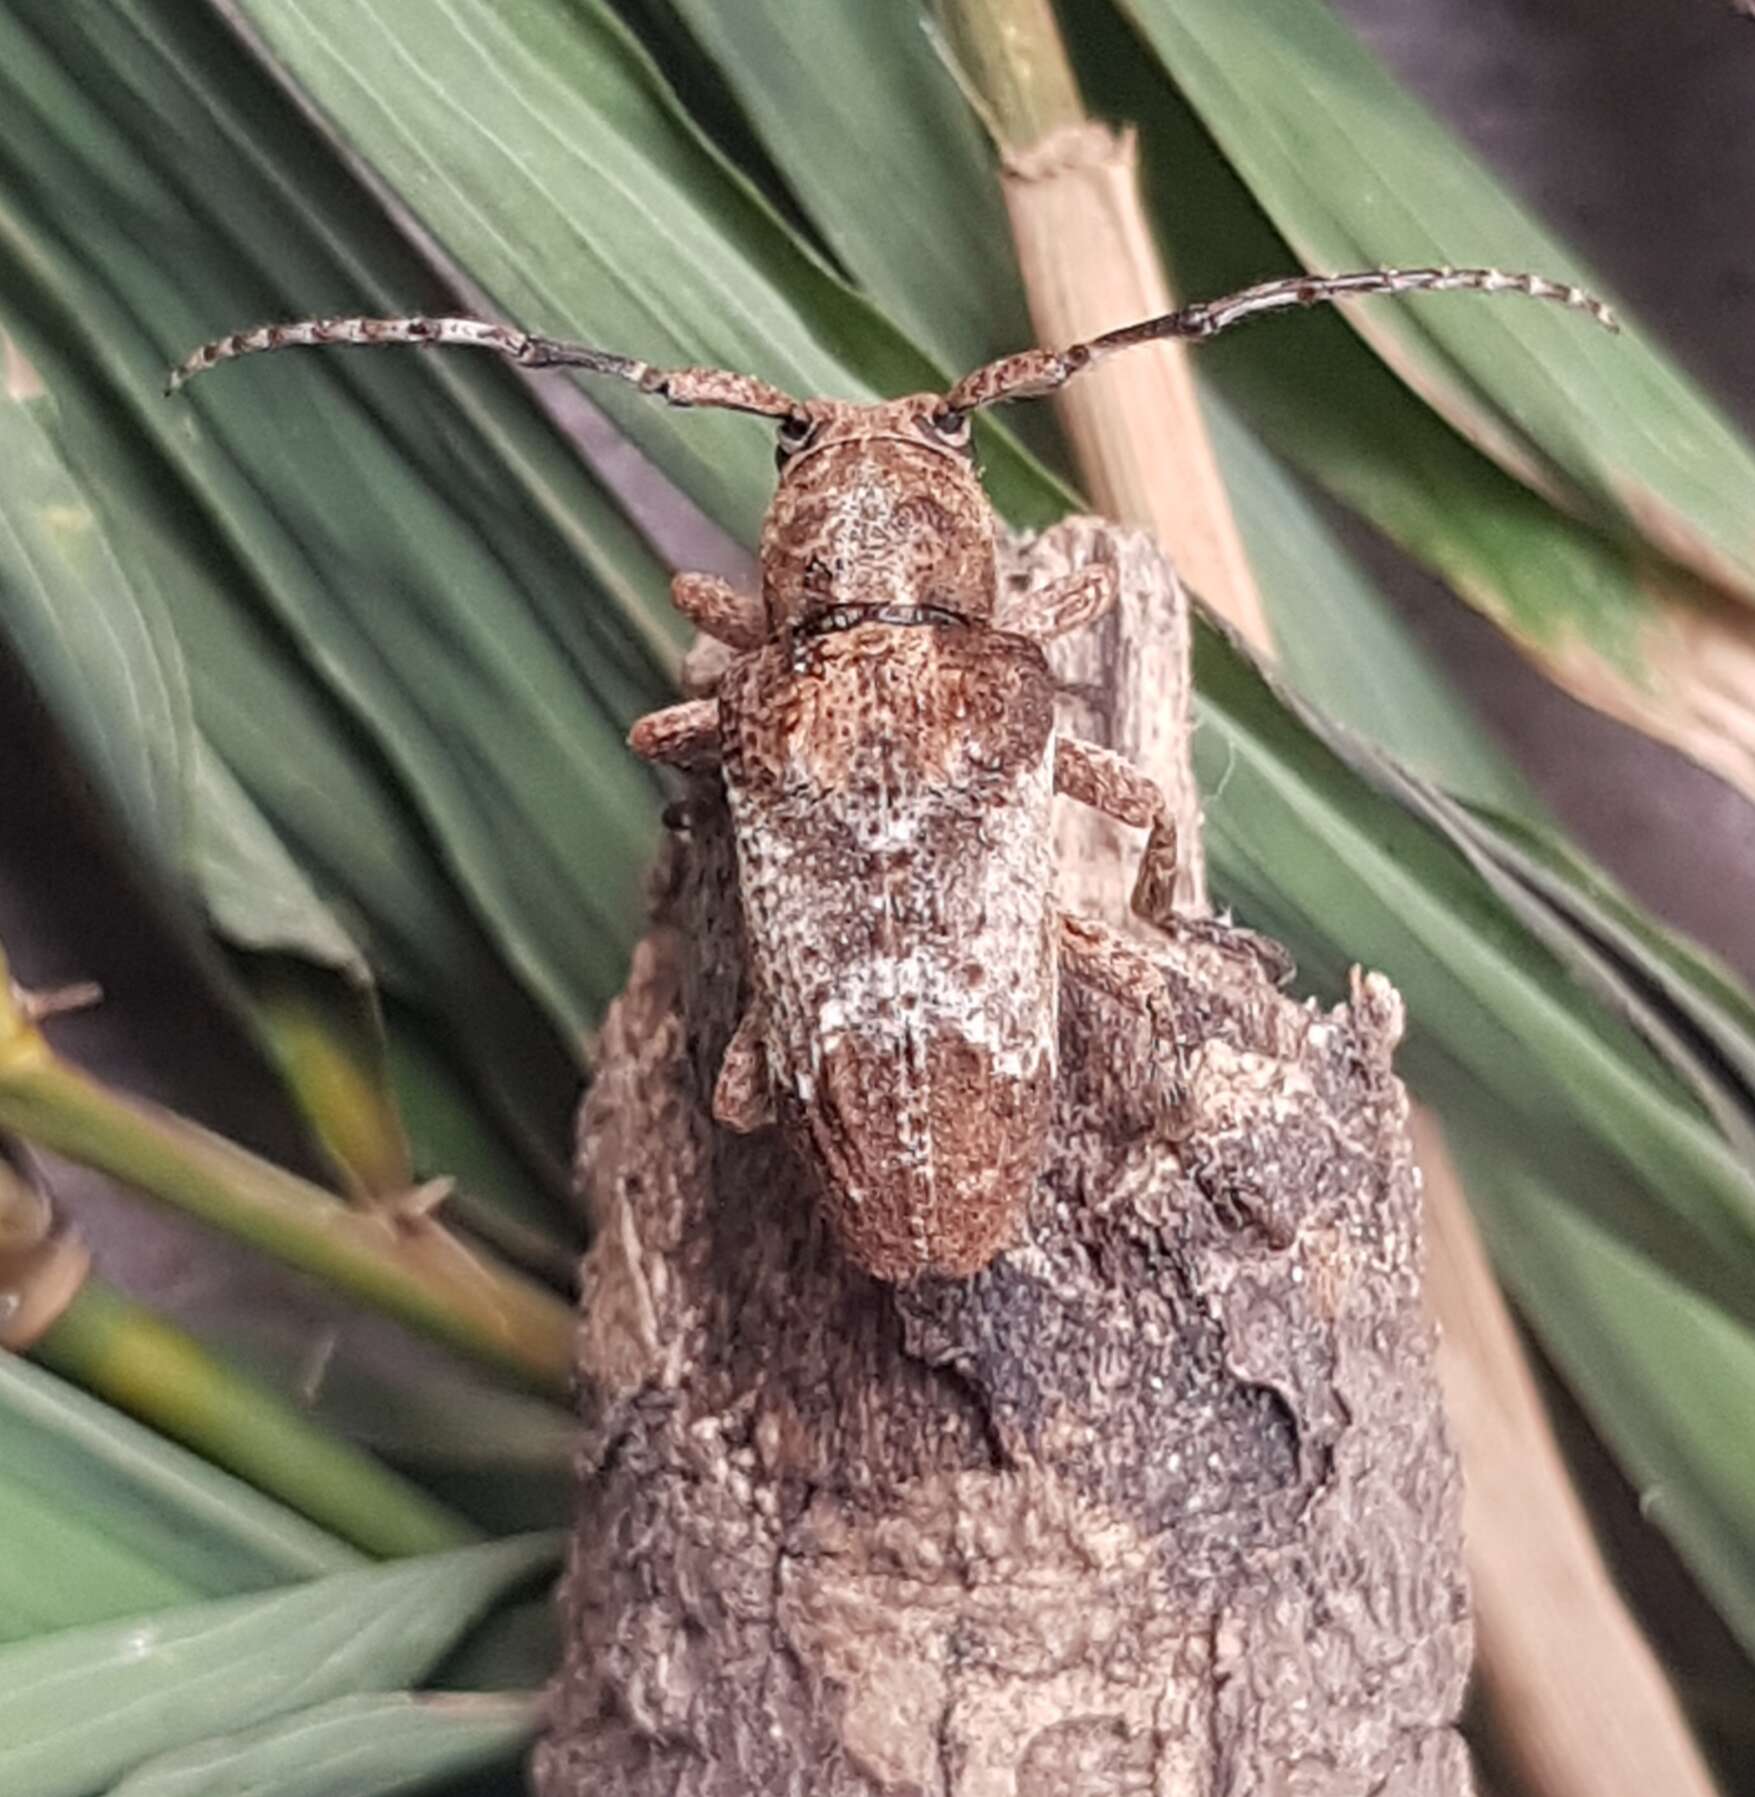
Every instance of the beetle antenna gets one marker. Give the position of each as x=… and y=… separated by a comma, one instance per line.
x=1036, y=372
x=717, y=387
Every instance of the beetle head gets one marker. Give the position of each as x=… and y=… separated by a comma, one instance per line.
x=879, y=510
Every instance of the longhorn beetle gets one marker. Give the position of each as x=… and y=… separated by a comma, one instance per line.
x=886, y=738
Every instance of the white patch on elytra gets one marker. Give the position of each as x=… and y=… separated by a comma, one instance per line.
x=896, y=898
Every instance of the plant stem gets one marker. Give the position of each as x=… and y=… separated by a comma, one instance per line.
x=408, y=1266
x=121, y=1352
x=1011, y=51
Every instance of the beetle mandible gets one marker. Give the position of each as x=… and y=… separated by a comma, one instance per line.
x=885, y=733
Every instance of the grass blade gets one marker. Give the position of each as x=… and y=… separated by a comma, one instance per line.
x=101, y=1517
x=375, y=1746
x=81, y=1708
x=1356, y=173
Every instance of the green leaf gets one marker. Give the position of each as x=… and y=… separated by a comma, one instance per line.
x=256, y=895
x=1677, y=998
x=376, y=1746
x=81, y=1708
x=503, y=1459
x=541, y=148
x=101, y=651
x=388, y=576
x=1339, y=642
x=101, y=1517
x=99, y=645
x=1667, y=1377
x=1356, y=173
x=893, y=169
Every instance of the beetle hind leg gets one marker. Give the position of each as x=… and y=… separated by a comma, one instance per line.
x=743, y=1094
x=1111, y=784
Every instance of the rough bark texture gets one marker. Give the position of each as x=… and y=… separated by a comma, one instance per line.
x=1160, y=1503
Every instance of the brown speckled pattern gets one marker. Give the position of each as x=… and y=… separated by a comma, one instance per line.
x=890, y=791
x=878, y=510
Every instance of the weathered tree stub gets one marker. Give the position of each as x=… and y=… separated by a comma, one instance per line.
x=1161, y=1502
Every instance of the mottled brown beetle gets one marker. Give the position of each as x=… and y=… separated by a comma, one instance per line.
x=887, y=742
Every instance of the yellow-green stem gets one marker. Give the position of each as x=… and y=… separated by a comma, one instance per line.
x=121, y=1352
x=1011, y=52
x=412, y=1269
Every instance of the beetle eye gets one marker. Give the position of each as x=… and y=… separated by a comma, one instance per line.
x=794, y=434
x=951, y=428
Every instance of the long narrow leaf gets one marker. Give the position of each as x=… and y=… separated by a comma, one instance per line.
x=1667, y=1378
x=100, y=1517
x=1356, y=173
x=79, y=1709
x=86, y=635
x=892, y=167
x=409, y=534
x=376, y=1746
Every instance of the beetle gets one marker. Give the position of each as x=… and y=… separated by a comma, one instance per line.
x=885, y=733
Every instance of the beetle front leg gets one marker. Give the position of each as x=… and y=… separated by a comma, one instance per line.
x=1063, y=605
x=716, y=608
x=684, y=736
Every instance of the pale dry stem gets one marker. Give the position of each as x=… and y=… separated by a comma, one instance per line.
x=1089, y=265
x=1560, y=1659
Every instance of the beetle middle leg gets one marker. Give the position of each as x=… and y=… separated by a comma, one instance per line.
x=684, y=736
x=1113, y=785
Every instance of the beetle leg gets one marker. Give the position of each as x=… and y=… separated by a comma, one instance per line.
x=716, y=607
x=1103, y=958
x=685, y=735
x=1154, y=899
x=1063, y=605
x=1107, y=782
x=743, y=1094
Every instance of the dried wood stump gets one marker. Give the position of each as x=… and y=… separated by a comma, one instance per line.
x=1160, y=1503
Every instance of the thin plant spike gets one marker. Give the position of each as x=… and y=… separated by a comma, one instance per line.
x=717, y=387
x=1037, y=372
